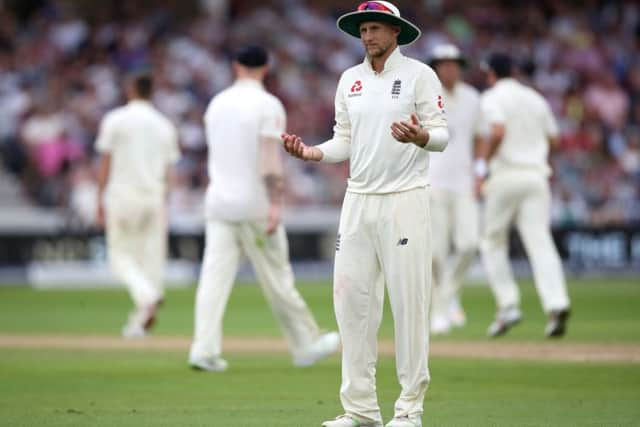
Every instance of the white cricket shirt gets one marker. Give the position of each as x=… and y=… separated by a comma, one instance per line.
x=452, y=169
x=143, y=144
x=367, y=103
x=528, y=122
x=236, y=120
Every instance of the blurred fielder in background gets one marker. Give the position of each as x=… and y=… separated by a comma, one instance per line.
x=243, y=215
x=454, y=210
x=388, y=115
x=517, y=191
x=138, y=146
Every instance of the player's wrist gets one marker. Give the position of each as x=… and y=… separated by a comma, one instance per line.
x=422, y=138
x=316, y=154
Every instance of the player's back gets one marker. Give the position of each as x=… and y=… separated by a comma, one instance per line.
x=528, y=123
x=142, y=143
x=234, y=121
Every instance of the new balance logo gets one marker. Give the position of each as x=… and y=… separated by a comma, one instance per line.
x=403, y=241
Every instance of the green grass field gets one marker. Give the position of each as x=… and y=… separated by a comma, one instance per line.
x=155, y=388
x=603, y=311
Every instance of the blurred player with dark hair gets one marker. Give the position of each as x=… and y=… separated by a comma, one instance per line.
x=454, y=209
x=522, y=128
x=244, y=216
x=138, y=146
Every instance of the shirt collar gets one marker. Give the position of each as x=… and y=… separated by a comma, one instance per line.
x=393, y=61
x=139, y=101
x=249, y=83
x=506, y=81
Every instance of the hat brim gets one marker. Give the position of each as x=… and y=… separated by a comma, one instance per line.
x=462, y=61
x=350, y=24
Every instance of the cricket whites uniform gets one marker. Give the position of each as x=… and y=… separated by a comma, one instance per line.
x=517, y=191
x=454, y=210
x=143, y=144
x=384, y=233
x=237, y=209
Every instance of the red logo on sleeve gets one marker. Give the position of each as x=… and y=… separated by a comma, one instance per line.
x=357, y=86
x=440, y=103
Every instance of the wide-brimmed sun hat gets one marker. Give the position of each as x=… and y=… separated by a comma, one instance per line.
x=446, y=52
x=378, y=11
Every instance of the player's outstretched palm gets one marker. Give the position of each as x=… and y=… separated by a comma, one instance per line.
x=294, y=145
x=409, y=132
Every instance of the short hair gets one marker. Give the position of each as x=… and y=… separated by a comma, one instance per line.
x=142, y=83
x=252, y=56
x=528, y=67
x=501, y=64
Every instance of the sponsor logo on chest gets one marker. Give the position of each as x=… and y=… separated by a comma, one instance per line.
x=356, y=89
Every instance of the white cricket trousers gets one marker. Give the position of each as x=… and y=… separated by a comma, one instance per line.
x=269, y=255
x=383, y=239
x=524, y=198
x=454, y=224
x=137, y=247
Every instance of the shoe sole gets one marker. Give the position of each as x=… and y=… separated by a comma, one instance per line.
x=201, y=369
x=505, y=328
x=151, y=320
x=561, y=328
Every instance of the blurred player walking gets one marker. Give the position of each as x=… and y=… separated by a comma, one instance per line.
x=388, y=115
x=454, y=210
x=138, y=146
x=243, y=215
x=517, y=191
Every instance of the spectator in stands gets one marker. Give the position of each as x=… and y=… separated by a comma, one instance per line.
x=585, y=62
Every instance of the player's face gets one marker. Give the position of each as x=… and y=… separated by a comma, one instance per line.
x=448, y=72
x=378, y=38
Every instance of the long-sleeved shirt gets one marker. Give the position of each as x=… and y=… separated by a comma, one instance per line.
x=366, y=104
x=452, y=170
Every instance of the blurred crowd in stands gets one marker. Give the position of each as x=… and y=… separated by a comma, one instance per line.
x=61, y=70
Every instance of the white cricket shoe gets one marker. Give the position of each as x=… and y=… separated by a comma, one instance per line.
x=457, y=316
x=440, y=325
x=140, y=321
x=506, y=318
x=132, y=331
x=209, y=364
x=348, y=421
x=322, y=347
x=557, y=324
x=404, y=422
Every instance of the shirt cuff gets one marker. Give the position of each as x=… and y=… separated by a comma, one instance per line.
x=334, y=151
x=438, y=139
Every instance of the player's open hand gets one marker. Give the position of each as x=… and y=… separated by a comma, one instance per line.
x=410, y=132
x=294, y=145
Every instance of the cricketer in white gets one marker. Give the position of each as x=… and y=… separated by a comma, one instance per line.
x=454, y=208
x=138, y=146
x=389, y=114
x=517, y=191
x=243, y=210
